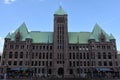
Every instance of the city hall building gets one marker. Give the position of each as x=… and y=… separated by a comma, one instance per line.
x=61, y=53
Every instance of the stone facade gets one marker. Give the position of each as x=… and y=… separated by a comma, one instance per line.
x=60, y=53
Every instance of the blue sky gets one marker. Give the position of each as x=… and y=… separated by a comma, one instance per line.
x=38, y=15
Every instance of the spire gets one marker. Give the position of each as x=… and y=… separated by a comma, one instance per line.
x=60, y=11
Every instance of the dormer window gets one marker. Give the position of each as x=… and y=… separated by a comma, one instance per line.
x=18, y=37
x=102, y=37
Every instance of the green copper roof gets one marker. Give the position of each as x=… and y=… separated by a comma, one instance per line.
x=91, y=37
x=97, y=31
x=29, y=36
x=60, y=11
x=8, y=36
x=47, y=37
x=41, y=37
x=81, y=36
x=111, y=36
x=23, y=31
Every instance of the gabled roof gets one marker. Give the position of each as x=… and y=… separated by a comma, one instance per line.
x=47, y=37
x=96, y=33
x=23, y=31
x=60, y=11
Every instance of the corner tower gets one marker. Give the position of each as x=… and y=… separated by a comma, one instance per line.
x=60, y=41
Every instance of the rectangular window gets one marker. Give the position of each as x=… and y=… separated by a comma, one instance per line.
x=69, y=55
x=50, y=55
x=88, y=63
x=73, y=55
x=99, y=55
x=99, y=63
x=110, y=63
x=32, y=63
x=80, y=56
x=21, y=54
x=70, y=63
x=9, y=62
x=104, y=55
x=84, y=63
x=73, y=63
x=10, y=54
x=80, y=63
x=39, y=55
x=46, y=55
x=105, y=63
x=16, y=54
x=43, y=55
x=50, y=47
x=26, y=54
x=43, y=63
x=43, y=70
x=20, y=63
x=39, y=63
x=77, y=63
x=39, y=70
x=84, y=56
x=50, y=63
x=35, y=63
x=15, y=63
x=77, y=55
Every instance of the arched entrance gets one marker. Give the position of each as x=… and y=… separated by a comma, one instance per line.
x=60, y=71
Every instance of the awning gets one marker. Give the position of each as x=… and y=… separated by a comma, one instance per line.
x=19, y=68
x=24, y=69
x=16, y=68
x=104, y=69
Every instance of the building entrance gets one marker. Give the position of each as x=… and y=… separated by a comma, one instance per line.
x=60, y=71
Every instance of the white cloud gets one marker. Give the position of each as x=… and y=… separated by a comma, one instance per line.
x=9, y=1
x=1, y=44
